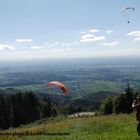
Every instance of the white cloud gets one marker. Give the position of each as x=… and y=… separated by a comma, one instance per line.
x=22, y=52
x=46, y=43
x=134, y=34
x=94, y=30
x=23, y=40
x=137, y=39
x=37, y=47
x=91, y=38
x=109, y=31
x=61, y=49
x=112, y=44
x=70, y=44
x=6, y=47
x=56, y=43
x=66, y=44
x=52, y=44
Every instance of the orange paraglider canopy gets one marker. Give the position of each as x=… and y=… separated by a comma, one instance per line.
x=60, y=85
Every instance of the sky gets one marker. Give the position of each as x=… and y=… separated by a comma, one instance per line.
x=41, y=29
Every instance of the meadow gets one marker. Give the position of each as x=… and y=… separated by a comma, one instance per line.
x=111, y=127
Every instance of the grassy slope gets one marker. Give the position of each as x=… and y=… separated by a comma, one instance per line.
x=113, y=127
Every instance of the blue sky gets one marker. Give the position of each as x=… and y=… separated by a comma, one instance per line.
x=36, y=29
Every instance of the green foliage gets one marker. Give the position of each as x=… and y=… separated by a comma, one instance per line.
x=120, y=104
x=23, y=108
x=129, y=97
x=107, y=106
x=47, y=107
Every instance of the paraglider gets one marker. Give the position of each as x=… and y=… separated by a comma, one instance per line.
x=130, y=9
x=60, y=85
x=127, y=8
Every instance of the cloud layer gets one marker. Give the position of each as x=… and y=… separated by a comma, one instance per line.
x=6, y=47
x=94, y=30
x=91, y=38
x=135, y=34
x=23, y=40
x=111, y=44
x=109, y=31
x=37, y=47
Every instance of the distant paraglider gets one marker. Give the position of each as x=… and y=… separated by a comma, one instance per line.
x=127, y=8
x=60, y=85
x=130, y=9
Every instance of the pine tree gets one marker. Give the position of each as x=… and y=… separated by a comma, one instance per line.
x=129, y=98
x=107, y=106
x=47, y=112
x=2, y=104
x=31, y=104
x=120, y=104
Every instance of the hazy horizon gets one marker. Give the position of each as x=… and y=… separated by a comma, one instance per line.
x=69, y=61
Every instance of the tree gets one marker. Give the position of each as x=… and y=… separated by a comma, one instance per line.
x=23, y=108
x=129, y=97
x=107, y=106
x=31, y=104
x=47, y=107
x=120, y=104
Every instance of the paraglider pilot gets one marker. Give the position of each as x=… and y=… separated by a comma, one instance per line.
x=136, y=107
